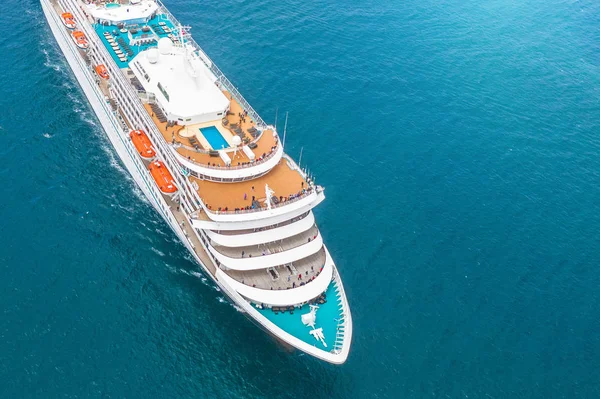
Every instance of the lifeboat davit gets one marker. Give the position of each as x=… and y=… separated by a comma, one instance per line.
x=80, y=39
x=68, y=20
x=163, y=177
x=102, y=71
x=142, y=144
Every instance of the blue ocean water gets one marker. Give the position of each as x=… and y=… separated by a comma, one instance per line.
x=458, y=144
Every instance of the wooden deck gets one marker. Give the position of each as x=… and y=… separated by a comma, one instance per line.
x=172, y=135
x=283, y=180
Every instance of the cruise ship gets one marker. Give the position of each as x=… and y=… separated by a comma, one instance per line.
x=213, y=169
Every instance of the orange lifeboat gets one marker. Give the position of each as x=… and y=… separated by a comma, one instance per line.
x=68, y=20
x=142, y=144
x=101, y=71
x=80, y=39
x=163, y=177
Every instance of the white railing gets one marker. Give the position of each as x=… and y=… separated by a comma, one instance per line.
x=341, y=325
x=308, y=192
x=249, y=164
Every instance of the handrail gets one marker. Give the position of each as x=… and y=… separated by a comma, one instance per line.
x=250, y=164
x=308, y=192
x=342, y=321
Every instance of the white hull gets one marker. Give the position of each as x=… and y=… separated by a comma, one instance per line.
x=132, y=162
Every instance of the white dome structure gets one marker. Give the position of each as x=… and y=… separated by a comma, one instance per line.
x=152, y=55
x=165, y=46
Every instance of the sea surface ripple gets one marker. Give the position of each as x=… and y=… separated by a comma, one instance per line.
x=458, y=142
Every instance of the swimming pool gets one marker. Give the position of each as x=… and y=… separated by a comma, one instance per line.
x=214, y=137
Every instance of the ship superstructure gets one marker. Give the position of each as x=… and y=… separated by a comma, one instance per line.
x=214, y=170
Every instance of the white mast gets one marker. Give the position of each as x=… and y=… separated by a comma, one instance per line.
x=284, y=130
x=268, y=194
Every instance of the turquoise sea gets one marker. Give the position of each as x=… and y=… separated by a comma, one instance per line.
x=458, y=141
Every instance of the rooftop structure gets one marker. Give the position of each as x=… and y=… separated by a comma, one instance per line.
x=181, y=83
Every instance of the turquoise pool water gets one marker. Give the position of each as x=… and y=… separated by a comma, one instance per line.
x=328, y=315
x=214, y=137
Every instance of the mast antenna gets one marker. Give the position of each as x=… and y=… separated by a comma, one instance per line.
x=284, y=129
x=269, y=195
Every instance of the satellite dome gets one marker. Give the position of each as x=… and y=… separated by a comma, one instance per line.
x=236, y=140
x=165, y=45
x=152, y=55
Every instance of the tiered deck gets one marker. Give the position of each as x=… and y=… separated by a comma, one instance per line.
x=247, y=231
x=308, y=267
x=271, y=247
x=282, y=179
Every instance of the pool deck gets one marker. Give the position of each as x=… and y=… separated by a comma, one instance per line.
x=194, y=131
x=264, y=144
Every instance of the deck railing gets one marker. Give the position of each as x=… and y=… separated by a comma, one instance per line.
x=308, y=192
x=341, y=325
x=230, y=167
